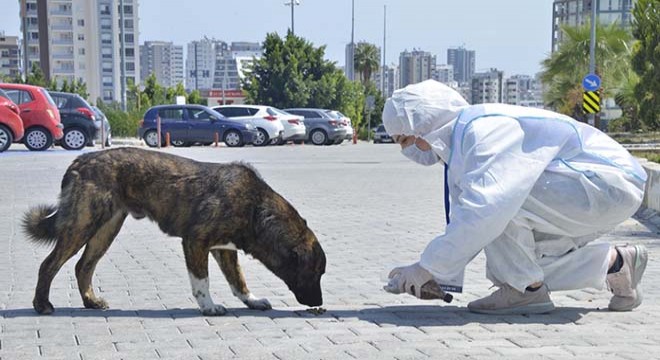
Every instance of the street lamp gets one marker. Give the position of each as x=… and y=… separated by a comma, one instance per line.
x=292, y=3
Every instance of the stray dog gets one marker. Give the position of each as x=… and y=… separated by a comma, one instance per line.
x=216, y=208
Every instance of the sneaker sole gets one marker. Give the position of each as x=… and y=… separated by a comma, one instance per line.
x=541, y=308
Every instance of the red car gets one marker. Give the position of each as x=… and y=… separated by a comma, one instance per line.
x=11, y=125
x=40, y=116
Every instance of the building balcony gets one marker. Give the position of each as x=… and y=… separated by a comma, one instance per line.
x=62, y=42
x=63, y=56
x=63, y=71
x=61, y=12
x=62, y=27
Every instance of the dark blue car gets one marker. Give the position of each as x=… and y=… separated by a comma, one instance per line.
x=190, y=124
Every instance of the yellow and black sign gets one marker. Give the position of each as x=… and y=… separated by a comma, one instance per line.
x=591, y=102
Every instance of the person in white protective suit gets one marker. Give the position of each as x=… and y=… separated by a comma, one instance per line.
x=530, y=187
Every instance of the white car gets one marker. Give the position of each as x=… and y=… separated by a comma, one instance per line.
x=264, y=118
x=294, y=127
x=345, y=121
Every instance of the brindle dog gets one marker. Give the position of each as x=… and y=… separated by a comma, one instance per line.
x=214, y=208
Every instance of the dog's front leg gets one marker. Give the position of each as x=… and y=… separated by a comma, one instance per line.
x=228, y=261
x=197, y=261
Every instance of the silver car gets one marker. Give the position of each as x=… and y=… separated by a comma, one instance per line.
x=320, y=127
x=381, y=136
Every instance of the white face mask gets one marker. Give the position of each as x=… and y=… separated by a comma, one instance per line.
x=420, y=156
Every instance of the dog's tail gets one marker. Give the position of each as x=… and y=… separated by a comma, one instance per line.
x=39, y=224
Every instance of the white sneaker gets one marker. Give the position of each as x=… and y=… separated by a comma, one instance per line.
x=507, y=300
x=624, y=284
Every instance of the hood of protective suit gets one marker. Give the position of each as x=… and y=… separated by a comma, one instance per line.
x=422, y=110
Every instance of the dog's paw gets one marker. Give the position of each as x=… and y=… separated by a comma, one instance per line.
x=215, y=310
x=96, y=303
x=43, y=307
x=258, y=304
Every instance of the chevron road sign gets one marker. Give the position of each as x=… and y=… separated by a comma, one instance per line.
x=591, y=102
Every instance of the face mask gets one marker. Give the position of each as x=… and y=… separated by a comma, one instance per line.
x=419, y=156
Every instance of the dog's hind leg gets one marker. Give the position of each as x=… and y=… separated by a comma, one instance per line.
x=63, y=251
x=197, y=262
x=95, y=249
x=228, y=261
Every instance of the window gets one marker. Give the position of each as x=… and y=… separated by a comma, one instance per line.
x=130, y=52
x=105, y=9
x=81, y=22
x=107, y=81
x=19, y=96
x=106, y=24
x=128, y=24
x=106, y=53
x=252, y=111
x=60, y=101
x=106, y=38
x=232, y=111
x=130, y=66
x=129, y=38
x=81, y=37
x=171, y=114
x=199, y=115
x=81, y=51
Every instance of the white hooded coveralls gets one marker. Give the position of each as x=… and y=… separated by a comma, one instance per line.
x=529, y=186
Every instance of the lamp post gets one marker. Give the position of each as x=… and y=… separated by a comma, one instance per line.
x=292, y=3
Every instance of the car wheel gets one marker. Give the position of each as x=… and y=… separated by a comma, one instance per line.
x=233, y=138
x=179, y=143
x=6, y=138
x=108, y=140
x=37, y=139
x=151, y=138
x=74, y=139
x=261, y=139
x=318, y=137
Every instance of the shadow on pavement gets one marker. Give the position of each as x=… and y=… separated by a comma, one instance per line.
x=413, y=316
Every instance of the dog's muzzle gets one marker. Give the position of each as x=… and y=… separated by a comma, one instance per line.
x=310, y=296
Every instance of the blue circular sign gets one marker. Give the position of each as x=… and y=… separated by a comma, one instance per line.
x=591, y=82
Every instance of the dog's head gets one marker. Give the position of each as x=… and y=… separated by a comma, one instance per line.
x=289, y=248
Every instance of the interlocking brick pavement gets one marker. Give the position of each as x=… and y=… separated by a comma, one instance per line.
x=371, y=209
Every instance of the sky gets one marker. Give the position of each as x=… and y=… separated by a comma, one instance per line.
x=512, y=35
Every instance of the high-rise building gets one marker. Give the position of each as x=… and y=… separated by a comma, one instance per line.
x=522, y=90
x=487, y=87
x=463, y=61
x=9, y=56
x=231, y=63
x=444, y=74
x=81, y=40
x=578, y=12
x=200, y=62
x=164, y=60
x=415, y=66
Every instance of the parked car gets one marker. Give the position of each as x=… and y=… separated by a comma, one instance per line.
x=11, y=125
x=264, y=118
x=381, y=136
x=321, y=128
x=101, y=119
x=189, y=124
x=294, y=127
x=346, y=121
x=78, y=118
x=41, y=119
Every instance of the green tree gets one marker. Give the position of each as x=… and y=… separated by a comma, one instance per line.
x=196, y=98
x=646, y=60
x=564, y=69
x=366, y=60
x=293, y=73
x=36, y=76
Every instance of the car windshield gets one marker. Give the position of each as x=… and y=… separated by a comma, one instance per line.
x=381, y=128
x=4, y=95
x=47, y=95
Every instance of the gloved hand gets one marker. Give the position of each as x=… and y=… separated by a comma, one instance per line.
x=411, y=278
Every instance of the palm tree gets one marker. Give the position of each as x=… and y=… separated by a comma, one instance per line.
x=565, y=68
x=366, y=60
